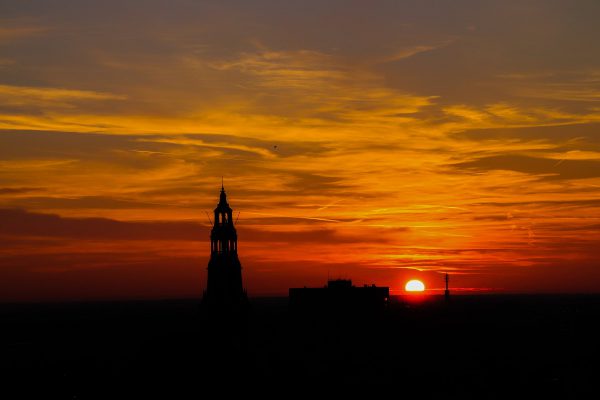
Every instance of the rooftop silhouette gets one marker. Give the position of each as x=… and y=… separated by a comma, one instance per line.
x=339, y=295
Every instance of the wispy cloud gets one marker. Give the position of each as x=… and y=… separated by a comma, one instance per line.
x=380, y=147
x=411, y=51
x=10, y=33
x=577, y=85
x=27, y=95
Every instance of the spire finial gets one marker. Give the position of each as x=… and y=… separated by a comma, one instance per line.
x=223, y=196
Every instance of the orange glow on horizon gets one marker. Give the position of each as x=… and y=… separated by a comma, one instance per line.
x=380, y=150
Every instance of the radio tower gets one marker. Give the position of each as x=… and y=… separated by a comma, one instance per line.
x=447, y=291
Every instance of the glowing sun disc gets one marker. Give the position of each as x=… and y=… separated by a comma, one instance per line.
x=414, y=286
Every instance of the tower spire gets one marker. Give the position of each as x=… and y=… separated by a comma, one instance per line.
x=224, y=284
x=447, y=291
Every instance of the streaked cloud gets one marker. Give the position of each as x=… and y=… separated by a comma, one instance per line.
x=387, y=142
x=10, y=33
x=18, y=95
x=543, y=167
x=567, y=86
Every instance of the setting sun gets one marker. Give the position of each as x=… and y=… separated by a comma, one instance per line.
x=395, y=151
x=414, y=286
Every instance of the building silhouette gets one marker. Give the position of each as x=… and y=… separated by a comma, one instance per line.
x=224, y=288
x=339, y=295
x=447, y=291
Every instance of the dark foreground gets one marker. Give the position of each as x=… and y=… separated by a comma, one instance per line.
x=475, y=347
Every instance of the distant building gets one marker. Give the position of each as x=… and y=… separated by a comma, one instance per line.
x=224, y=289
x=339, y=294
x=447, y=291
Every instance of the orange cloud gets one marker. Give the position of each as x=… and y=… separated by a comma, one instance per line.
x=374, y=152
x=18, y=94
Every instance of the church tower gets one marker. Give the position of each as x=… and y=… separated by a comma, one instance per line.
x=224, y=284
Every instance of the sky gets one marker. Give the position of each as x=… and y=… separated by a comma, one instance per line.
x=378, y=141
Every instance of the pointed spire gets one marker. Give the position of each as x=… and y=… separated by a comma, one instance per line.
x=223, y=196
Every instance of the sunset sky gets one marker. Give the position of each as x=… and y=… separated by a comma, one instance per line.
x=373, y=140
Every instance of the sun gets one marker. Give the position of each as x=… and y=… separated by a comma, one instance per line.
x=414, y=285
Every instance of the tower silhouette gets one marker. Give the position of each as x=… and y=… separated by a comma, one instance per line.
x=447, y=291
x=224, y=289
